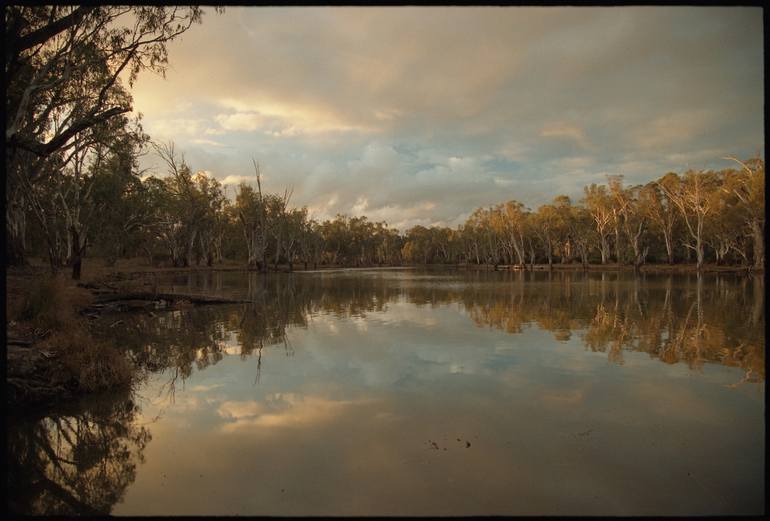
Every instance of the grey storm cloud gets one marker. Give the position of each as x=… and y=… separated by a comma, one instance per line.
x=419, y=115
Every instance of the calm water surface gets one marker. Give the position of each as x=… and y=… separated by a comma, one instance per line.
x=421, y=393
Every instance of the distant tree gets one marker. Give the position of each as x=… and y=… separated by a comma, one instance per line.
x=749, y=187
x=691, y=195
x=599, y=205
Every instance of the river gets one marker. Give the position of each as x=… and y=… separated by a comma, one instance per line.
x=420, y=392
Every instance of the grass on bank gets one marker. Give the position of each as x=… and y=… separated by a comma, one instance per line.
x=49, y=306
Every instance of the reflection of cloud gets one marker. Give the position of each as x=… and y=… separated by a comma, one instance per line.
x=204, y=388
x=684, y=403
x=562, y=398
x=281, y=410
x=233, y=410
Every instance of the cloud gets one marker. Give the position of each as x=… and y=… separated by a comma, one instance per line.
x=564, y=130
x=175, y=127
x=238, y=179
x=383, y=110
x=240, y=121
x=209, y=142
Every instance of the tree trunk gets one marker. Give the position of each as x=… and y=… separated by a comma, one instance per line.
x=16, y=231
x=669, y=248
x=758, y=236
x=699, y=253
x=190, y=246
x=604, y=249
x=77, y=251
x=148, y=251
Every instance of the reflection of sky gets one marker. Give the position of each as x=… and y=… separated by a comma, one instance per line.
x=342, y=424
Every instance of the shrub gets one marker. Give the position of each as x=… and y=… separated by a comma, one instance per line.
x=52, y=302
x=93, y=364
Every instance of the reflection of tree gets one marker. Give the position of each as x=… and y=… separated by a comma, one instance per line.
x=692, y=322
x=74, y=462
x=687, y=319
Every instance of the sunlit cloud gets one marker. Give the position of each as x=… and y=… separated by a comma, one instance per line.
x=209, y=142
x=282, y=119
x=563, y=130
x=238, y=179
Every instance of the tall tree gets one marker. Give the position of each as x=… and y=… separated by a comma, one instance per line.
x=691, y=195
x=749, y=187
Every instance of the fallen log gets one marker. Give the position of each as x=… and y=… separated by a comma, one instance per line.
x=19, y=342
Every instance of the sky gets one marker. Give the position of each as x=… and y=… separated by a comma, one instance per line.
x=417, y=116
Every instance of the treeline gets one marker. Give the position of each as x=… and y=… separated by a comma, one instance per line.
x=698, y=216
x=185, y=219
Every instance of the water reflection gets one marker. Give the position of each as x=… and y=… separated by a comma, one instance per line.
x=421, y=393
x=79, y=460
x=690, y=319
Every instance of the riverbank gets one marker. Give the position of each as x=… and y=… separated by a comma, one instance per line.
x=645, y=268
x=122, y=272
x=58, y=345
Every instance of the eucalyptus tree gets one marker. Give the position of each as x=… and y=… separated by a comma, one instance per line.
x=580, y=224
x=516, y=219
x=723, y=226
x=361, y=234
x=63, y=70
x=662, y=211
x=66, y=205
x=311, y=242
x=565, y=236
x=210, y=205
x=748, y=185
x=118, y=192
x=250, y=210
x=618, y=210
x=546, y=223
x=188, y=206
x=418, y=246
x=334, y=233
x=691, y=195
x=635, y=221
x=599, y=205
x=295, y=221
